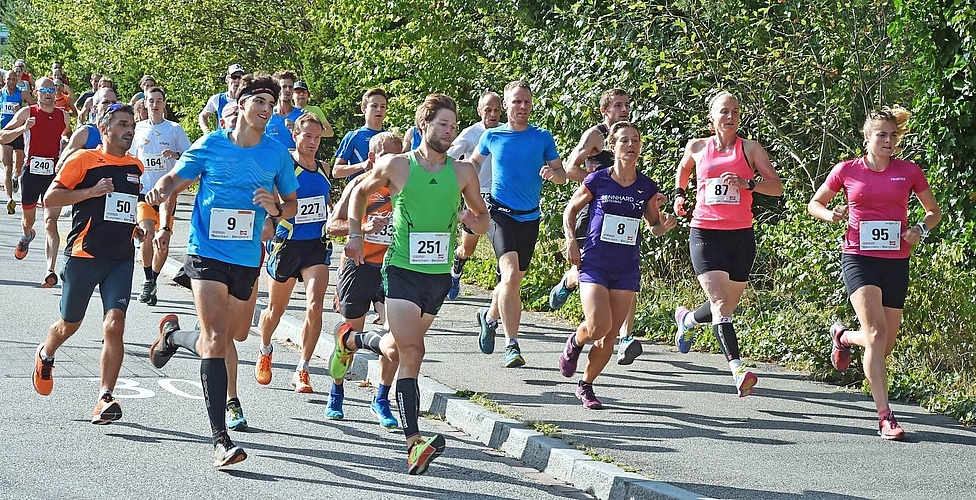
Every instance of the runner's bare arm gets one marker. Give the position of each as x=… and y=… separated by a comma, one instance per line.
x=19, y=124
x=590, y=144
x=581, y=197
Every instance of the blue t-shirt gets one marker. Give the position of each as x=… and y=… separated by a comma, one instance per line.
x=11, y=104
x=516, y=158
x=616, y=250
x=94, y=137
x=354, y=146
x=277, y=130
x=313, y=201
x=229, y=175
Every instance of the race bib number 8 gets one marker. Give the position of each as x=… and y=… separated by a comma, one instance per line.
x=429, y=248
x=312, y=209
x=41, y=166
x=226, y=224
x=155, y=163
x=384, y=237
x=619, y=229
x=880, y=235
x=120, y=207
x=720, y=193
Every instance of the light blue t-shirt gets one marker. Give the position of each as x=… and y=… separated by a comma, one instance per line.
x=354, y=146
x=277, y=129
x=516, y=158
x=229, y=175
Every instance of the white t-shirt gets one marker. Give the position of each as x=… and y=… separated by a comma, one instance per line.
x=148, y=144
x=464, y=146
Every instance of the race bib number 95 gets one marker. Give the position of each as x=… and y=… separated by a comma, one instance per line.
x=880, y=235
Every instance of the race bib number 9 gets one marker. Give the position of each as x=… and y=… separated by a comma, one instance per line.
x=720, y=193
x=429, y=248
x=619, y=229
x=120, y=207
x=313, y=209
x=880, y=235
x=155, y=163
x=10, y=108
x=41, y=166
x=384, y=237
x=226, y=224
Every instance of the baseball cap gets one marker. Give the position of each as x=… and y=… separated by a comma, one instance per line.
x=301, y=85
x=235, y=68
x=20, y=62
x=229, y=110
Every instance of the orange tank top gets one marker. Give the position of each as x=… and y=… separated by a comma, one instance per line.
x=379, y=204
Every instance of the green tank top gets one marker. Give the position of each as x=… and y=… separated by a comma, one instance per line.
x=425, y=220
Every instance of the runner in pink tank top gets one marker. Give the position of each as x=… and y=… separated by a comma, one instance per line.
x=877, y=245
x=722, y=242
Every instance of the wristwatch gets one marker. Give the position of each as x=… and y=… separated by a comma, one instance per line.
x=924, y=229
x=752, y=184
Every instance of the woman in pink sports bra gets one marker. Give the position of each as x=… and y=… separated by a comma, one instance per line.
x=876, y=248
x=722, y=242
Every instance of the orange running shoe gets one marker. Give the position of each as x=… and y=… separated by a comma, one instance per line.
x=20, y=251
x=423, y=452
x=43, y=376
x=107, y=410
x=262, y=370
x=299, y=382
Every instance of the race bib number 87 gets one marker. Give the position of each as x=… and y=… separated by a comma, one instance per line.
x=429, y=248
x=720, y=193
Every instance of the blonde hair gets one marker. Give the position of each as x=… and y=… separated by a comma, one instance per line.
x=896, y=114
x=379, y=140
x=717, y=96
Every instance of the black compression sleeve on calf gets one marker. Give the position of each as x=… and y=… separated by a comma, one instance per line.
x=725, y=334
x=369, y=341
x=703, y=315
x=213, y=378
x=186, y=339
x=458, y=266
x=408, y=403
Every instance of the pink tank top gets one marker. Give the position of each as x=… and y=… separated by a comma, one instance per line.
x=718, y=205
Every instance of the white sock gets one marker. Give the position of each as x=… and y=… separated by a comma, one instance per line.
x=302, y=365
x=735, y=364
x=44, y=355
x=265, y=349
x=689, y=320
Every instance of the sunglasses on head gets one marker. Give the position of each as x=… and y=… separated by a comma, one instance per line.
x=46, y=90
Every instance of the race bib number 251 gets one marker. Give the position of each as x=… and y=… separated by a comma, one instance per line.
x=429, y=248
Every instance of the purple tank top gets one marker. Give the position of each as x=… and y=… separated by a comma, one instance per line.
x=613, y=239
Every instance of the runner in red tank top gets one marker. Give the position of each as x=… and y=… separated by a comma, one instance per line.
x=722, y=242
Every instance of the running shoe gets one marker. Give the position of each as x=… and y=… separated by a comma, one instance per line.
x=685, y=336
x=24, y=245
x=16, y=183
x=486, y=338
x=513, y=356
x=333, y=410
x=341, y=357
x=148, y=294
x=745, y=381
x=226, y=452
x=107, y=410
x=840, y=356
x=43, y=374
x=423, y=452
x=630, y=349
x=889, y=429
x=452, y=293
x=381, y=408
x=51, y=280
x=299, y=382
x=569, y=358
x=11, y=207
x=584, y=392
x=559, y=294
x=234, y=416
x=262, y=369
x=160, y=351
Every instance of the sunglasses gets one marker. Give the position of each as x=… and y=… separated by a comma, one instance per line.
x=235, y=77
x=46, y=90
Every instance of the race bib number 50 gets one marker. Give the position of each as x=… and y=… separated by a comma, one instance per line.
x=429, y=248
x=880, y=235
x=120, y=207
x=227, y=224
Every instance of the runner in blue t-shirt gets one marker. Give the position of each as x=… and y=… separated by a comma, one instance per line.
x=285, y=113
x=354, y=147
x=238, y=170
x=522, y=157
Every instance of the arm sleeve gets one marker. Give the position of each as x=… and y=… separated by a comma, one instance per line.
x=182, y=141
x=921, y=184
x=484, y=142
x=835, y=179
x=211, y=106
x=550, y=152
x=344, y=150
x=461, y=147
x=193, y=161
x=73, y=171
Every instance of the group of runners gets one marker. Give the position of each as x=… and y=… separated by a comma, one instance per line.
x=265, y=200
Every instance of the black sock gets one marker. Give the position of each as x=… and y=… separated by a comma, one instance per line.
x=703, y=315
x=186, y=339
x=213, y=378
x=725, y=333
x=458, y=266
x=149, y=273
x=408, y=403
x=369, y=341
x=155, y=274
x=233, y=401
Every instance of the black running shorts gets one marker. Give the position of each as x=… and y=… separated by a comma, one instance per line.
x=890, y=275
x=732, y=251
x=428, y=291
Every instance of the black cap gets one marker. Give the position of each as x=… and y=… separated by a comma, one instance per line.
x=301, y=85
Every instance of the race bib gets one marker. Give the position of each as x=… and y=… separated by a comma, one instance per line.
x=154, y=163
x=312, y=209
x=429, y=248
x=720, y=193
x=880, y=235
x=120, y=207
x=384, y=237
x=41, y=166
x=619, y=229
x=10, y=108
x=227, y=224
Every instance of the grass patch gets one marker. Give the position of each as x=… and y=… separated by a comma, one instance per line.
x=546, y=428
x=606, y=459
x=481, y=399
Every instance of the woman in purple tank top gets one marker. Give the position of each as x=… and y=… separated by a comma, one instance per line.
x=609, y=262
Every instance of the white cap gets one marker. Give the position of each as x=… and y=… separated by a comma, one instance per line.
x=235, y=68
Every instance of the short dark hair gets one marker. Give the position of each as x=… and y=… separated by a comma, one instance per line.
x=156, y=89
x=517, y=84
x=610, y=94
x=105, y=116
x=285, y=75
x=434, y=103
x=611, y=135
x=258, y=80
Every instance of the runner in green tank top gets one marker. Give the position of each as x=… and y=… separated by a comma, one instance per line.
x=425, y=186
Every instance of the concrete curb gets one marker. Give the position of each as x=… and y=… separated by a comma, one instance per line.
x=546, y=454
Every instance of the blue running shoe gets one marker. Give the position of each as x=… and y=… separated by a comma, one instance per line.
x=685, y=336
x=334, y=410
x=381, y=408
x=559, y=294
x=235, y=416
x=455, y=289
x=513, y=356
x=486, y=339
